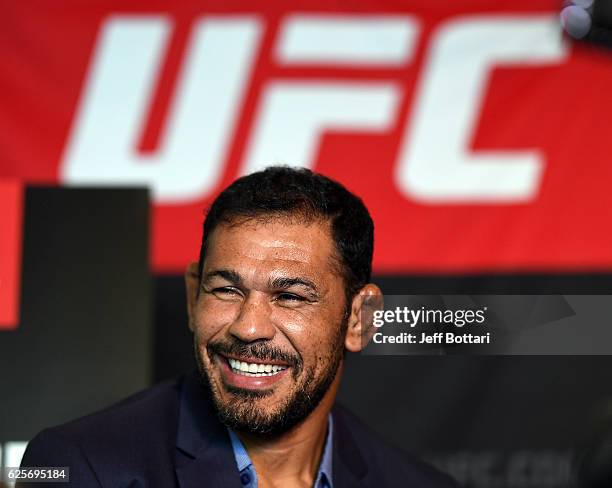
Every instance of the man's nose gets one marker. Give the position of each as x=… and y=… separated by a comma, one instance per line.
x=254, y=321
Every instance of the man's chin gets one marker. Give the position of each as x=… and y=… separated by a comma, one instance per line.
x=252, y=411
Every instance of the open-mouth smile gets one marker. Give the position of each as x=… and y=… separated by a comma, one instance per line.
x=251, y=373
x=254, y=369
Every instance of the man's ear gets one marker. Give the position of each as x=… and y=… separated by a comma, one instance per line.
x=360, y=322
x=192, y=286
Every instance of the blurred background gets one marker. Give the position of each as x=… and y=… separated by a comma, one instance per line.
x=476, y=132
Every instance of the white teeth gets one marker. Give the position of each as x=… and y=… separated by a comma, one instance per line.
x=254, y=369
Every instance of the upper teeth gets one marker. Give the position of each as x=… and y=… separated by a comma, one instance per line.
x=255, y=369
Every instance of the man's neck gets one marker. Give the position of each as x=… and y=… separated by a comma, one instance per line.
x=291, y=459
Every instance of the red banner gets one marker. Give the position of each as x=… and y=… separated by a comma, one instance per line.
x=11, y=203
x=474, y=132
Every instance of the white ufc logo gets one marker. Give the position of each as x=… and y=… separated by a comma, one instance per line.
x=434, y=164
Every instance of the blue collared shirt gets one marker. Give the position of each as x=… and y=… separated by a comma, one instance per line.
x=248, y=476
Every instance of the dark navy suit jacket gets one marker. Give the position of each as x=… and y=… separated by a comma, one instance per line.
x=169, y=436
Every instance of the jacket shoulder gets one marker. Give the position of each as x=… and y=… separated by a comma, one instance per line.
x=129, y=419
x=387, y=465
x=136, y=432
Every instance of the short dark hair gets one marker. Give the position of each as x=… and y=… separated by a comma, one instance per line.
x=281, y=191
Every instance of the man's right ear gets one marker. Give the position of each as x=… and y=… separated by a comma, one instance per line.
x=192, y=286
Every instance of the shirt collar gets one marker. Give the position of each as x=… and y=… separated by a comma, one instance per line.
x=324, y=475
x=243, y=460
x=325, y=468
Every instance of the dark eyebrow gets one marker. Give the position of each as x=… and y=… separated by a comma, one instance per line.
x=282, y=283
x=226, y=274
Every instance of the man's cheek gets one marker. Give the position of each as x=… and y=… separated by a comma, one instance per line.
x=219, y=314
x=203, y=336
x=214, y=315
x=294, y=323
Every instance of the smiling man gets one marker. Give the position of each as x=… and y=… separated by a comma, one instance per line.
x=274, y=303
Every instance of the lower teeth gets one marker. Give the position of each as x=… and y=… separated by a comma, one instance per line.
x=256, y=375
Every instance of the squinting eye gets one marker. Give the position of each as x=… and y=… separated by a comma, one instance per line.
x=290, y=297
x=226, y=292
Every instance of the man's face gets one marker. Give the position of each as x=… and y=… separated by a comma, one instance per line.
x=269, y=321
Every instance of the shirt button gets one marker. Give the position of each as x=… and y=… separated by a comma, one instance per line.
x=245, y=478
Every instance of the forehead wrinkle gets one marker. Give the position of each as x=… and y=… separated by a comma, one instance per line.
x=277, y=253
x=227, y=274
x=270, y=275
x=289, y=281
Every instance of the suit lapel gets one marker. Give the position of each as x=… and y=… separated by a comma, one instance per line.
x=204, y=456
x=349, y=466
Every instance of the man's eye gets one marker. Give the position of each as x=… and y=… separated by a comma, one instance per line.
x=290, y=297
x=226, y=292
